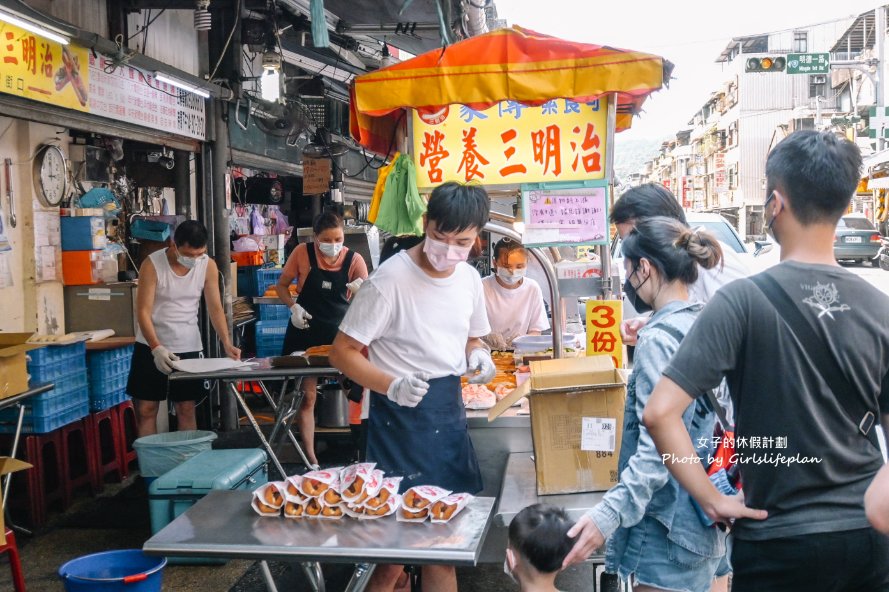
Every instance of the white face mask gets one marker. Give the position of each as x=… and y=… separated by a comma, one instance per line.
x=330, y=249
x=508, y=572
x=510, y=277
x=188, y=262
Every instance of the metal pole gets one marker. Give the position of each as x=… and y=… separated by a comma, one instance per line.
x=604, y=252
x=221, y=247
x=182, y=184
x=880, y=23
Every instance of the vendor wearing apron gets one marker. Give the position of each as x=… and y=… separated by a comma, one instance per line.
x=421, y=317
x=171, y=282
x=326, y=272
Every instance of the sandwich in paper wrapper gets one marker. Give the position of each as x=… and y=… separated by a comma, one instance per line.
x=292, y=492
x=388, y=489
x=416, y=502
x=316, y=483
x=268, y=499
x=448, y=507
x=294, y=509
x=330, y=512
x=388, y=507
x=313, y=508
x=356, y=479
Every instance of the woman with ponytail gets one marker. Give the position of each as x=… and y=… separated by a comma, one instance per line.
x=655, y=538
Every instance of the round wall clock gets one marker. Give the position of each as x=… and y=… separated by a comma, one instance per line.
x=50, y=174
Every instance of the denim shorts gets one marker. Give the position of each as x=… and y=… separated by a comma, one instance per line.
x=652, y=559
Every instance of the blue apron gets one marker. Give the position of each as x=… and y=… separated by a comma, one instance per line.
x=428, y=444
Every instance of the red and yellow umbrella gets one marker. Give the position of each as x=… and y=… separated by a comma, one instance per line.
x=508, y=64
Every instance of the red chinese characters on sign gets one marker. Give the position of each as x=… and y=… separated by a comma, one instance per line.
x=29, y=53
x=603, y=333
x=511, y=169
x=433, y=153
x=547, y=149
x=471, y=156
x=590, y=156
x=46, y=60
x=10, y=58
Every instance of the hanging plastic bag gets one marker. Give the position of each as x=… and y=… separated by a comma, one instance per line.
x=382, y=177
x=401, y=208
x=257, y=222
x=245, y=245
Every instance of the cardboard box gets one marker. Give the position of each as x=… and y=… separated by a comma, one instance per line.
x=8, y=465
x=13, y=366
x=577, y=416
x=102, y=306
x=275, y=256
x=273, y=242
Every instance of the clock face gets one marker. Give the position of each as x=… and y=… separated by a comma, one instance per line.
x=52, y=175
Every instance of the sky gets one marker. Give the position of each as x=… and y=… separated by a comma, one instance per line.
x=689, y=33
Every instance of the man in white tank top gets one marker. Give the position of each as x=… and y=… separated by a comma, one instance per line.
x=171, y=282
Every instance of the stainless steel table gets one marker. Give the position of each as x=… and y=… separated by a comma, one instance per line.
x=223, y=524
x=19, y=400
x=285, y=408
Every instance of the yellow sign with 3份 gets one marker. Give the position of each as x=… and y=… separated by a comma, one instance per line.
x=603, y=319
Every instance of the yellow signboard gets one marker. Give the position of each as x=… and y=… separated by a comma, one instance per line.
x=603, y=318
x=508, y=143
x=42, y=70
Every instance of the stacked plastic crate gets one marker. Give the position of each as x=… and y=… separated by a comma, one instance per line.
x=108, y=372
x=65, y=366
x=273, y=318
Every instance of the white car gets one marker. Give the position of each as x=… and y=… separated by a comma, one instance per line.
x=724, y=233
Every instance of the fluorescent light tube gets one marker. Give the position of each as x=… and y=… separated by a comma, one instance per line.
x=270, y=85
x=33, y=28
x=160, y=77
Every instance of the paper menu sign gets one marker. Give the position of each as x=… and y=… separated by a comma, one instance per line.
x=598, y=434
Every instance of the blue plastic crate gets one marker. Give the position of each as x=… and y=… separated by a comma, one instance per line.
x=270, y=351
x=266, y=278
x=109, y=356
x=108, y=370
x=273, y=312
x=69, y=389
x=42, y=425
x=247, y=280
x=269, y=328
x=107, y=401
x=56, y=353
x=101, y=388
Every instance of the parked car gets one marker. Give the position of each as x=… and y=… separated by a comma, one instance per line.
x=856, y=239
x=724, y=233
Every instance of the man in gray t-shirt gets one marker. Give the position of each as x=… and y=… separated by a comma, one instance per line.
x=804, y=464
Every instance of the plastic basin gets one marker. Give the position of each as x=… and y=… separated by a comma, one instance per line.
x=129, y=570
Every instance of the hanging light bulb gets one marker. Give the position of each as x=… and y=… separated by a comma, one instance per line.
x=202, y=19
x=270, y=85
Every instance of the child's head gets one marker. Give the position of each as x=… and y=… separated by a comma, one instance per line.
x=538, y=542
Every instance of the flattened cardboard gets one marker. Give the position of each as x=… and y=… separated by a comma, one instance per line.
x=562, y=392
x=13, y=367
x=8, y=465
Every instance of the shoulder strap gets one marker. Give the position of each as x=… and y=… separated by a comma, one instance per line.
x=310, y=251
x=347, y=262
x=823, y=361
x=709, y=393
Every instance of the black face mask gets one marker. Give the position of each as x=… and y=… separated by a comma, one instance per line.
x=640, y=305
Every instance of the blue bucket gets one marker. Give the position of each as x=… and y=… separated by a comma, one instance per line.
x=129, y=570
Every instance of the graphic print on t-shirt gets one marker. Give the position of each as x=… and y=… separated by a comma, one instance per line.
x=825, y=299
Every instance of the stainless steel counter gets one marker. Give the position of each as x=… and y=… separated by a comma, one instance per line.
x=223, y=524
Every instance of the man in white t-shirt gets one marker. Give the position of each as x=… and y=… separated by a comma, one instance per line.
x=514, y=302
x=421, y=317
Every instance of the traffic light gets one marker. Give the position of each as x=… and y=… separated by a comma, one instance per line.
x=767, y=64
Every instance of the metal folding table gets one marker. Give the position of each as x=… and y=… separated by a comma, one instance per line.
x=285, y=408
x=223, y=524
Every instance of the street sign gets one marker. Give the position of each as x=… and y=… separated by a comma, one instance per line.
x=808, y=63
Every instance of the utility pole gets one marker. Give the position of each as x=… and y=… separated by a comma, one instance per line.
x=880, y=94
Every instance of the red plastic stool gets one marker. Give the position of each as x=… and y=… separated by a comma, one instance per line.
x=79, y=471
x=41, y=486
x=106, y=445
x=15, y=562
x=126, y=422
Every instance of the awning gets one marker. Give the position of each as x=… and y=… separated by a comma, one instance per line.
x=881, y=183
x=508, y=64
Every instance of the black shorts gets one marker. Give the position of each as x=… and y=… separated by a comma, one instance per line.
x=147, y=383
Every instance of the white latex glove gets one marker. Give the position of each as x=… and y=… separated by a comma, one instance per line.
x=299, y=317
x=409, y=390
x=354, y=286
x=480, y=361
x=496, y=341
x=162, y=359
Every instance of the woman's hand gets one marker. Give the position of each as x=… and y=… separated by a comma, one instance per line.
x=589, y=539
x=232, y=351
